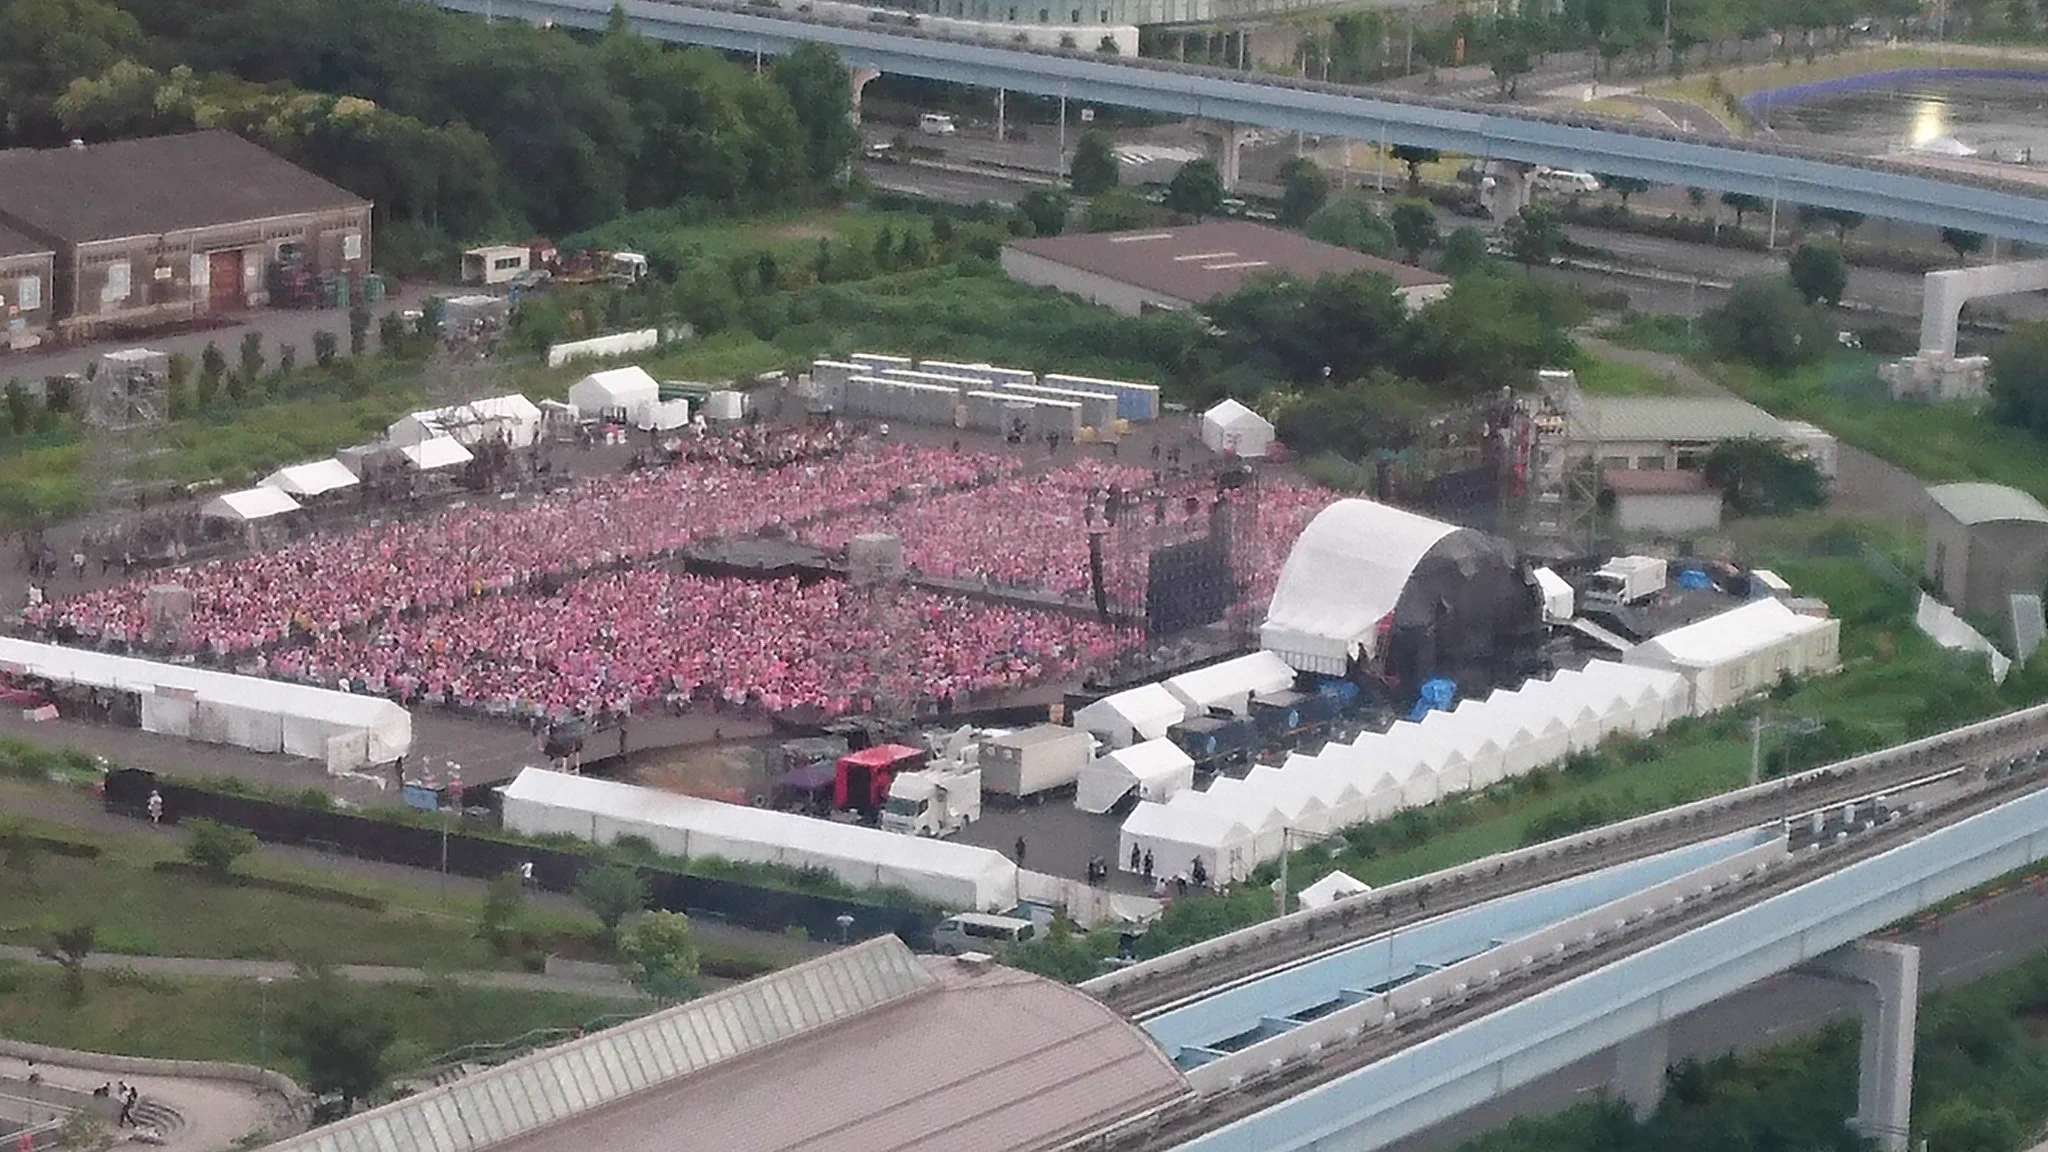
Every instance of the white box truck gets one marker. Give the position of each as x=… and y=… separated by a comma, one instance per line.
x=1034, y=761
x=1627, y=580
x=934, y=802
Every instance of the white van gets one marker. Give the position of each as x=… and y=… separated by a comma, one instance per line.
x=1564, y=181
x=936, y=124
x=980, y=932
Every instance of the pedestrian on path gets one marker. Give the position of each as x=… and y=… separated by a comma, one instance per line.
x=1020, y=850
x=127, y=1118
x=1148, y=865
x=156, y=807
x=1137, y=858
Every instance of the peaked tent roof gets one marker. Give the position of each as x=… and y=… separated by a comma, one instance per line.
x=1732, y=634
x=312, y=478
x=250, y=504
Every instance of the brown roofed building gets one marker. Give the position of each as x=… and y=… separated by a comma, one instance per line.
x=169, y=228
x=1663, y=501
x=1174, y=268
x=24, y=289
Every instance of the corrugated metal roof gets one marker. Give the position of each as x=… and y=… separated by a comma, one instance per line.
x=1985, y=503
x=550, y=1088
x=13, y=243
x=1198, y=262
x=1695, y=418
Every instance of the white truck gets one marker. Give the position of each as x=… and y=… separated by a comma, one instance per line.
x=1627, y=580
x=1034, y=761
x=937, y=801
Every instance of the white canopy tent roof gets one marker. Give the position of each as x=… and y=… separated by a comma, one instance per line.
x=1336, y=886
x=1732, y=634
x=313, y=478
x=958, y=876
x=511, y=416
x=249, y=505
x=1231, y=427
x=630, y=389
x=436, y=453
x=346, y=731
x=1177, y=837
x=1155, y=769
x=1133, y=715
x=1344, y=575
x=1231, y=684
x=1231, y=800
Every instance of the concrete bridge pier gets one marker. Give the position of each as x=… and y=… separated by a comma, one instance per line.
x=1510, y=190
x=860, y=78
x=1639, y=1064
x=1224, y=142
x=1886, y=975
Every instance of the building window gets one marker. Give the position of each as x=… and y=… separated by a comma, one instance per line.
x=1614, y=463
x=352, y=246
x=1691, y=459
x=1651, y=464
x=28, y=293
x=508, y=263
x=117, y=282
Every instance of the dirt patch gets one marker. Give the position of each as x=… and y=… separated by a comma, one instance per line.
x=734, y=773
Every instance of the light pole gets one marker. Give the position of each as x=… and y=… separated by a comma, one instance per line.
x=263, y=1019
x=1758, y=725
x=1287, y=834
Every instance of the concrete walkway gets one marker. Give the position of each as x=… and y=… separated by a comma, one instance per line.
x=216, y=1114
x=365, y=973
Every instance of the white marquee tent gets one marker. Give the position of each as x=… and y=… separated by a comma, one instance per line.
x=313, y=478
x=955, y=876
x=249, y=505
x=1233, y=428
x=1133, y=715
x=1345, y=573
x=629, y=389
x=1155, y=769
x=1743, y=651
x=512, y=416
x=345, y=731
x=1231, y=684
x=1177, y=837
x=436, y=453
x=1336, y=886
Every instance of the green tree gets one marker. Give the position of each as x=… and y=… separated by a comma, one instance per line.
x=341, y=1038
x=661, y=955
x=1414, y=223
x=85, y=1130
x=1536, y=234
x=213, y=847
x=1464, y=250
x=1046, y=209
x=1963, y=243
x=1510, y=63
x=68, y=949
x=503, y=909
x=1330, y=329
x=2019, y=378
x=1093, y=169
x=1489, y=332
x=884, y=253
x=48, y=44
x=1841, y=220
x=1117, y=210
x=1196, y=190
x=1819, y=273
x=1742, y=204
x=1414, y=156
x=1352, y=222
x=768, y=275
x=213, y=364
x=325, y=346
x=911, y=251
x=1305, y=188
x=1766, y=323
x=251, y=355
x=1961, y=1124
x=1759, y=478
x=821, y=95
x=612, y=892
x=1624, y=186
x=358, y=329
x=391, y=335
x=20, y=412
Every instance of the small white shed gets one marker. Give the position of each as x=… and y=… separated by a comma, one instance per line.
x=629, y=390
x=1156, y=770
x=1233, y=428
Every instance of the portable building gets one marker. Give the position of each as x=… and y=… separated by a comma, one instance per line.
x=495, y=264
x=346, y=731
x=1175, y=838
x=1156, y=770
x=510, y=417
x=600, y=347
x=1134, y=402
x=313, y=478
x=1232, y=428
x=958, y=384
x=1230, y=685
x=1006, y=377
x=1557, y=596
x=876, y=361
x=628, y=391
x=249, y=505
x=1098, y=409
x=1743, y=651
x=726, y=405
x=956, y=876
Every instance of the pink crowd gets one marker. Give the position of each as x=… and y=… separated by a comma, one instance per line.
x=623, y=640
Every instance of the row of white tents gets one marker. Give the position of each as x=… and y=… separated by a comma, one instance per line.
x=1237, y=824
x=1133, y=725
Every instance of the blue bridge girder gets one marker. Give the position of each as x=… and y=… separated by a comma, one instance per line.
x=1876, y=187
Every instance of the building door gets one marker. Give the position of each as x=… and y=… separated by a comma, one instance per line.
x=224, y=281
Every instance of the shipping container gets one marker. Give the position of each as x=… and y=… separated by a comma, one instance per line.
x=1035, y=761
x=909, y=376
x=1134, y=401
x=875, y=361
x=1098, y=409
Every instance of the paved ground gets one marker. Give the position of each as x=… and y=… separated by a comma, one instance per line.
x=217, y=1114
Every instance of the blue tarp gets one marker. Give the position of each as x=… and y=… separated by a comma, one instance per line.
x=1436, y=695
x=1692, y=579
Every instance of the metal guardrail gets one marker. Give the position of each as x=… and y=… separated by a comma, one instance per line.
x=1305, y=935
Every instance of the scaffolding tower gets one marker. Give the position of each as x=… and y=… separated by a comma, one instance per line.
x=1560, y=460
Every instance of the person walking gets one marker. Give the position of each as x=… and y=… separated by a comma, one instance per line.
x=1020, y=850
x=1137, y=858
x=1148, y=865
x=156, y=806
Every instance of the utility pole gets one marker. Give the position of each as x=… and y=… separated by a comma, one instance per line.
x=1060, y=166
x=1761, y=723
x=1000, y=94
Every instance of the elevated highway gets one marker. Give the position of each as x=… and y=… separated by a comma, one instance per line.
x=2013, y=209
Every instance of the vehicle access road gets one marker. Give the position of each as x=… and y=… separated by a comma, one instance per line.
x=1961, y=947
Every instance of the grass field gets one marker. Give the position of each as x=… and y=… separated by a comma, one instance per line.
x=238, y=1020
x=1604, y=377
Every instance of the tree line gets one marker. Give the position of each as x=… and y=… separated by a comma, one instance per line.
x=456, y=128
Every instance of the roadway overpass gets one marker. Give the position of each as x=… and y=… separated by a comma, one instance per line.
x=1876, y=187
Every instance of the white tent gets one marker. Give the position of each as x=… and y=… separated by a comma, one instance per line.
x=345, y=731
x=1233, y=428
x=630, y=390
x=1330, y=889
x=1176, y=838
x=1296, y=797
x=439, y=452
x=1230, y=799
x=1133, y=715
x=1344, y=575
x=1155, y=769
x=1743, y=651
x=314, y=478
x=1231, y=684
x=667, y=415
x=249, y=505
x=1557, y=596
x=511, y=416
x=958, y=876
x=1341, y=793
